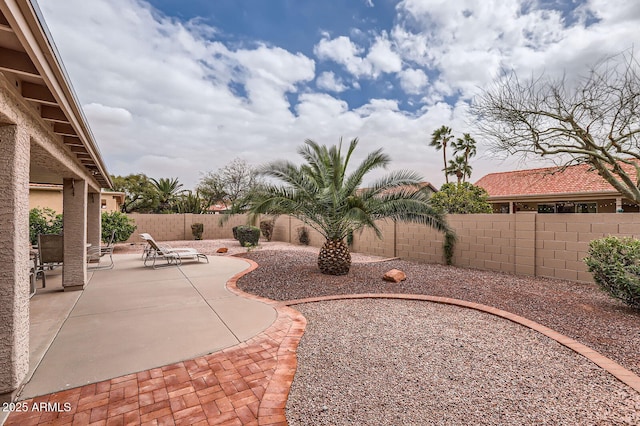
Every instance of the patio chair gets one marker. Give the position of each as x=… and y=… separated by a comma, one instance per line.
x=95, y=254
x=173, y=256
x=50, y=254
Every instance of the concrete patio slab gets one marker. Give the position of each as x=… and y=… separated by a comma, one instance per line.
x=241, y=315
x=133, y=318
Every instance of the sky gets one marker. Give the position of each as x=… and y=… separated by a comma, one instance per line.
x=175, y=88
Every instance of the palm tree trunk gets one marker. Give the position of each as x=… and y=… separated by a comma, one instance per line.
x=334, y=258
x=444, y=154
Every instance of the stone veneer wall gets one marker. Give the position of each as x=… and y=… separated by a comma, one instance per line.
x=546, y=245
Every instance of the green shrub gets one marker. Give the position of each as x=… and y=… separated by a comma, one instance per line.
x=303, y=236
x=43, y=221
x=248, y=235
x=118, y=222
x=235, y=232
x=615, y=265
x=197, y=229
x=266, y=226
x=449, y=246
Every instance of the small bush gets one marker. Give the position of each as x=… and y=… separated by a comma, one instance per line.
x=118, y=222
x=235, y=232
x=266, y=226
x=43, y=221
x=248, y=235
x=197, y=229
x=615, y=265
x=303, y=236
x=449, y=246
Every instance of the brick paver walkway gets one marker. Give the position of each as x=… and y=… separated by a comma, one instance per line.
x=247, y=384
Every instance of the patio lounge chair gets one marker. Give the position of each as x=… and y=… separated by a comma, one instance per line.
x=50, y=254
x=173, y=256
x=94, y=254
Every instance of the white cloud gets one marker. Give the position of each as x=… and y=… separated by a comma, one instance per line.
x=380, y=59
x=168, y=98
x=107, y=115
x=344, y=52
x=328, y=81
x=413, y=81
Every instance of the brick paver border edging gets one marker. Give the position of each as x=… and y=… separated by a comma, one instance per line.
x=619, y=372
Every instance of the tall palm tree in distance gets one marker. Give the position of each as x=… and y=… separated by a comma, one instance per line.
x=460, y=168
x=440, y=139
x=321, y=193
x=467, y=145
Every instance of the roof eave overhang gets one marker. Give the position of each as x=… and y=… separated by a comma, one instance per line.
x=555, y=196
x=27, y=22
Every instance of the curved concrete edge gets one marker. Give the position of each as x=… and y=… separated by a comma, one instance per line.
x=619, y=372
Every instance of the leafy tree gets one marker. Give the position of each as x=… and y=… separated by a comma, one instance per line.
x=168, y=190
x=232, y=182
x=140, y=195
x=461, y=198
x=325, y=197
x=211, y=188
x=118, y=222
x=43, y=221
x=440, y=138
x=593, y=119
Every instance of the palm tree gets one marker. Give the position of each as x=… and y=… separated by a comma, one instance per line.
x=467, y=145
x=325, y=197
x=459, y=167
x=439, y=139
x=168, y=190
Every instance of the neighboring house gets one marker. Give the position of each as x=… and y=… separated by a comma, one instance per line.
x=574, y=189
x=111, y=201
x=44, y=138
x=218, y=208
x=50, y=196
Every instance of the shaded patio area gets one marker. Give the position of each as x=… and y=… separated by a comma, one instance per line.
x=133, y=318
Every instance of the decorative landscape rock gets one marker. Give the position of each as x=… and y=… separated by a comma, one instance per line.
x=394, y=276
x=222, y=250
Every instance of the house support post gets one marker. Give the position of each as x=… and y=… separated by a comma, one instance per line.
x=74, y=200
x=94, y=219
x=619, y=207
x=14, y=258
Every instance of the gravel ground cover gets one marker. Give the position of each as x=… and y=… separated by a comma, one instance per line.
x=393, y=362
x=580, y=311
x=425, y=363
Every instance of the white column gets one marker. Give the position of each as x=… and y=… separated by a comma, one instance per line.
x=14, y=258
x=74, y=267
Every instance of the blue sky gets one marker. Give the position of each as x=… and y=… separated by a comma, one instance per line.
x=178, y=88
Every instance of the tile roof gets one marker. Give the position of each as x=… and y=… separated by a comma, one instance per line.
x=546, y=181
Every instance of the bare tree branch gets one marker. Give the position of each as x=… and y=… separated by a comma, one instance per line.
x=594, y=119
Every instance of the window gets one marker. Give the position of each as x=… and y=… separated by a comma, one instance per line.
x=586, y=208
x=546, y=208
x=565, y=207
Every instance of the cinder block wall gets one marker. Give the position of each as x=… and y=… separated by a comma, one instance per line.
x=170, y=227
x=526, y=243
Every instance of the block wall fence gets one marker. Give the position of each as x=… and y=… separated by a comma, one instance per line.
x=545, y=245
